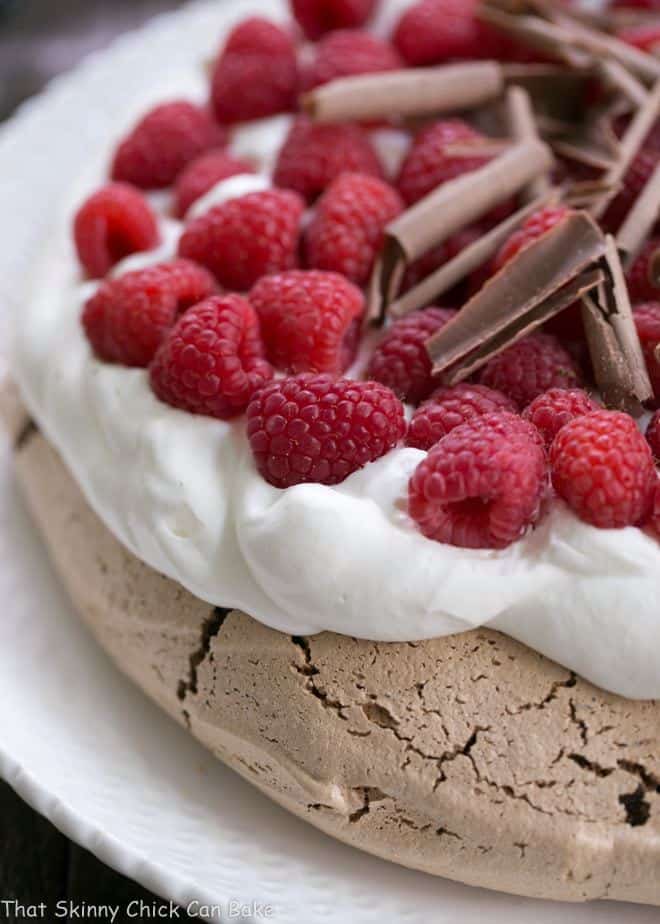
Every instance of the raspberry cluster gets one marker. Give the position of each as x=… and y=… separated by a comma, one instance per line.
x=262, y=311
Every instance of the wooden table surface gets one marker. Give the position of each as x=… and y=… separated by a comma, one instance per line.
x=38, y=39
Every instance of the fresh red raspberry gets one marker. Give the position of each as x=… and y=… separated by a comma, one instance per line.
x=646, y=37
x=212, y=361
x=637, y=4
x=534, y=228
x=429, y=162
x=256, y=75
x=647, y=322
x=449, y=407
x=316, y=17
x=639, y=279
x=481, y=486
x=555, y=407
x=435, y=31
x=315, y=428
x=310, y=321
x=163, y=142
x=603, y=468
x=246, y=238
x=350, y=52
x=114, y=222
x=313, y=155
x=638, y=175
x=653, y=435
x=127, y=317
x=202, y=174
x=346, y=233
x=529, y=367
x=401, y=361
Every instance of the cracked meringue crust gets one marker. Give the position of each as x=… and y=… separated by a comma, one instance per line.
x=468, y=756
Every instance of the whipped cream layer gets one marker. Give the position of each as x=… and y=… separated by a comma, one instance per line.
x=182, y=493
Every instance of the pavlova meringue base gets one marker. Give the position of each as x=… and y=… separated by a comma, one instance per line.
x=470, y=757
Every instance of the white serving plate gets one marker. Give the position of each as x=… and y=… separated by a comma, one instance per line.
x=77, y=741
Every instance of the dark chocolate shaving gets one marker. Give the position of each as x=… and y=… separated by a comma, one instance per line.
x=640, y=219
x=469, y=259
x=640, y=125
x=450, y=207
x=543, y=279
x=616, y=353
x=412, y=92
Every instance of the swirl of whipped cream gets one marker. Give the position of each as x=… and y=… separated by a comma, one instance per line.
x=182, y=493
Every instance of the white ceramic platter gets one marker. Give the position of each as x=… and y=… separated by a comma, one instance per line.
x=77, y=741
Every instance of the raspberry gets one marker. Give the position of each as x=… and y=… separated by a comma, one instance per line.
x=433, y=31
x=639, y=173
x=603, y=468
x=646, y=37
x=529, y=367
x=309, y=320
x=349, y=52
x=554, y=408
x=534, y=228
x=212, y=361
x=257, y=73
x=647, y=322
x=401, y=361
x=202, y=174
x=317, y=17
x=428, y=164
x=163, y=142
x=246, y=238
x=638, y=277
x=127, y=318
x=653, y=435
x=449, y=407
x=312, y=156
x=481, y=486
x=314, y=428
x=114, y=222
x=346, y=232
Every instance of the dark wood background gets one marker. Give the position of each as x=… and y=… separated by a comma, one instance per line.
x=38, y=39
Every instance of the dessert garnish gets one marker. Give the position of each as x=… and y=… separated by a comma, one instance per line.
x=448, y=209
x=545, y=277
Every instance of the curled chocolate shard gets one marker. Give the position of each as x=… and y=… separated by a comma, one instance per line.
x=522, y=125
x=470, y=258
x=616, y=353
x=450, y=207
x=539, y=282
x=640, y=220
x=641, y=124
x=412, y=92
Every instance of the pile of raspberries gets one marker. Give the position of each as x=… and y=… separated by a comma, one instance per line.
x=260, y=313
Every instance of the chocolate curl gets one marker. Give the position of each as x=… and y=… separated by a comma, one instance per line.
x=616, y=353
x=539, y=282
x=615, y=76
x=446, y=210
x=556, y=92
x=641, y=124
x=522, y=126
x=586, y=193
x=412, y=92
x=469, y=259
x=570, y=40
x=640, y=220
x=538, y=33
x=602, y=45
